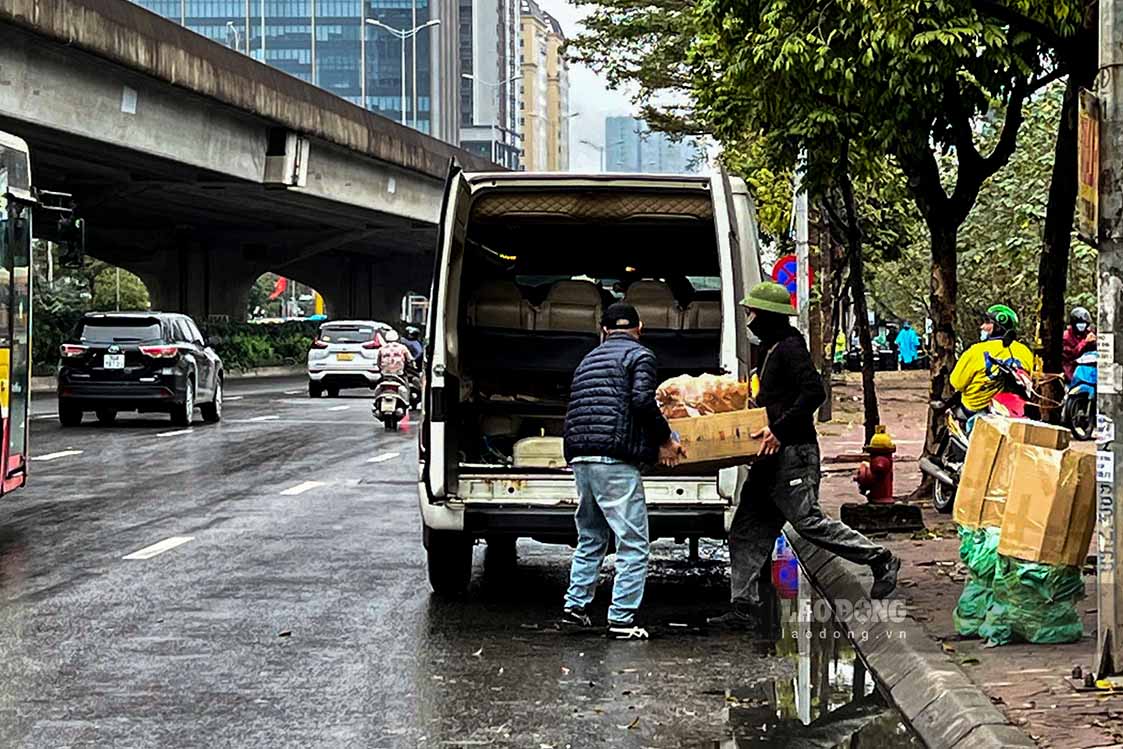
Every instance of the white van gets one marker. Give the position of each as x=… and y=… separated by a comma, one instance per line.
x=525, y=264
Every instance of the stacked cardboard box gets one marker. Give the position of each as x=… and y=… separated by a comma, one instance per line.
x=1025, y=506
x=989, y=468
x=1051, y=506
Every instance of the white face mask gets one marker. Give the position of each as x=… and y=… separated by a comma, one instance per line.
x=983, y=335
x=1081, y=327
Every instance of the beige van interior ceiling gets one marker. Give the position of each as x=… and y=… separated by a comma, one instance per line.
x=591, y=204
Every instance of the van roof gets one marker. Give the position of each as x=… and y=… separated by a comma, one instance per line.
x=567, y=179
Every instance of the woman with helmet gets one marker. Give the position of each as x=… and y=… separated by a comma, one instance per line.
x=1079, y=336
x=974, y=376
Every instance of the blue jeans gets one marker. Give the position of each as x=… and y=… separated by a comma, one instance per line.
x=611, y=501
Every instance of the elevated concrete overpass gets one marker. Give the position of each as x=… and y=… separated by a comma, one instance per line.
x=198, y=168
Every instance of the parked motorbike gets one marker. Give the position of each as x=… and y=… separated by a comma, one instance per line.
x=945, y=466
x=1078, y=411
x=391, y=400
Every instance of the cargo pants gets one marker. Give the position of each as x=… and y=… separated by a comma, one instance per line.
x=785, y=487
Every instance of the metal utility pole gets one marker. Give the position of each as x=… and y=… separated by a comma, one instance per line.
x=402, y=35
x=413, y=48
x=599, y=149
x=803, y=290
x=118, y=289
x=1109, y=502
x=312, y=52
x=363, y=53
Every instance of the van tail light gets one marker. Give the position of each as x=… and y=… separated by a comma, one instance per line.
x=159, y=352
x=372, y=344
x=70, y=350
x=319, y=344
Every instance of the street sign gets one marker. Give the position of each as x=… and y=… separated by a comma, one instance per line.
x=1088, y=169
x=785, y=272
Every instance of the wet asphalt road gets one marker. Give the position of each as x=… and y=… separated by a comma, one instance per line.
x=298, y=613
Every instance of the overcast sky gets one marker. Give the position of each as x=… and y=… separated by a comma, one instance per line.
x=588, y=94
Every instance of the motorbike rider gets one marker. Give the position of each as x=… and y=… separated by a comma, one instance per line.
x=393, y=355
x=1078, y=338
x=974, y=376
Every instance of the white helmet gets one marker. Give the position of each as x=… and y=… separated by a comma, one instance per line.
x=391, y=336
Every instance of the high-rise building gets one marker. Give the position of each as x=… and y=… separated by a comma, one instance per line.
x=632, y=146
x=490, y=80
x=545, y=92
x=328, y=43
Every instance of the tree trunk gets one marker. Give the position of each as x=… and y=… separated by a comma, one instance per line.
x=861, y=312
x=944, y=291
x=823, y=249
x=1052, y=276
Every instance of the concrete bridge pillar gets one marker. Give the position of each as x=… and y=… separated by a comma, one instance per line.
x=361, y=287
x=197, y=280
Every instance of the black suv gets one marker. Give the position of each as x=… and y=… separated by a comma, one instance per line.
x=138, y=361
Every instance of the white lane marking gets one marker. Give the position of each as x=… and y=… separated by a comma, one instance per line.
x=383, y=458
x=302, y=487
x=175, y=433
x=59, y=454
x=339, y=408
x=293, y=392
x=264, y=418
x=45, y=416
x=228, y=398
x=159, y=548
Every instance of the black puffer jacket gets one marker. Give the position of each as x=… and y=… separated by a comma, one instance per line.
x=612, y=410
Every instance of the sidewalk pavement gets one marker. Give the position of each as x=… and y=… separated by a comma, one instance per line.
x=1028, y=683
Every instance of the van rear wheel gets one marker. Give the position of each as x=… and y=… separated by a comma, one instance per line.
x=450, y=562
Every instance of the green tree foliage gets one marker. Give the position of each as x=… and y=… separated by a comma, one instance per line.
x=258, y=303
x=1000, y=243
x=134, y=294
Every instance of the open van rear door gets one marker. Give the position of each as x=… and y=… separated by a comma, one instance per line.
x=438, y=448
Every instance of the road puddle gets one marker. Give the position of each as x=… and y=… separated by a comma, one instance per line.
x=830, y=700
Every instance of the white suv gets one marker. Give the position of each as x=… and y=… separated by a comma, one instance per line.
x=344, y=355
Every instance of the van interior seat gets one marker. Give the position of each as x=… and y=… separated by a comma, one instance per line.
x=500, y=304
x=571, y=307
x=702, y=314
x=656, y=305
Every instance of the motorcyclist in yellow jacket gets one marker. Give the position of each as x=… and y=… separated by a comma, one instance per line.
x=975, y=376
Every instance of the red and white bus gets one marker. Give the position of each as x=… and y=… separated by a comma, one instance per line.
x=16, y=202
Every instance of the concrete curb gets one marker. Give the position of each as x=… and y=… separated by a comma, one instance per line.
x=939, y=701
x=48, y=384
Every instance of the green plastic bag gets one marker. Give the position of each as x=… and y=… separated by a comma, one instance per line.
x=979, y=551
x=1034, y=602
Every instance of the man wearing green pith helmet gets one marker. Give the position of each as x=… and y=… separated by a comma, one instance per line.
x=783, y=483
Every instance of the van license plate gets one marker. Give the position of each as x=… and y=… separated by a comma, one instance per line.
x=114, y=361
x=344, y=357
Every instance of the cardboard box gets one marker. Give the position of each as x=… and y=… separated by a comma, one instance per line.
x=1051, y=506
x=720, y=440
x=1030, y=432
x=988, y=437
x=984, y=481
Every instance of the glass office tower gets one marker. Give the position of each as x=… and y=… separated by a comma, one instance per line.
x=322, y=42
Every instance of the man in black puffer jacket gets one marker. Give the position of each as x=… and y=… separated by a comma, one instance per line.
x=613, y=427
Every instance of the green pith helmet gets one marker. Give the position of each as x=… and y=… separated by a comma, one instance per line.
x=768, y=296
x=1003, y=316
